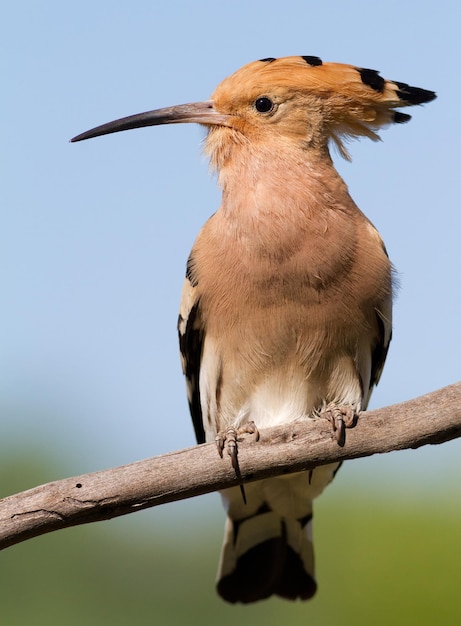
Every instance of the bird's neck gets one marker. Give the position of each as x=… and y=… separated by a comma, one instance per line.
x=279, y=182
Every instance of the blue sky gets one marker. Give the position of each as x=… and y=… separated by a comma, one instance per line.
x=95, y=236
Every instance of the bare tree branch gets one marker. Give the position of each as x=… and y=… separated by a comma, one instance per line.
x=430, y=419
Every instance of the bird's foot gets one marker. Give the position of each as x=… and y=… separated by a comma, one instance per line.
x=228, y=439
x=340, y=417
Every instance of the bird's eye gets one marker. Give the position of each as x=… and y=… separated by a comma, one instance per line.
x=264, y=105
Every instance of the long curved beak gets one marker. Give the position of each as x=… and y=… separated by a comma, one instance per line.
x=198, y=112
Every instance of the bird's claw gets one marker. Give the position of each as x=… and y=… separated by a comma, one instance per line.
x=340, y=417
x=228, y=439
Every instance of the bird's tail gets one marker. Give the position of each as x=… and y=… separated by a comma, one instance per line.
x=268, y=547
x=266, y=554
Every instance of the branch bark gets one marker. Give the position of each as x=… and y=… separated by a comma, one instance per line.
x=430, y=419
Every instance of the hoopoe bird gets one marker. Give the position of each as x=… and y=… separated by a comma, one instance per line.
x=286, y=308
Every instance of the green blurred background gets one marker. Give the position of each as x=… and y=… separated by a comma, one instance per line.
x=384, y=556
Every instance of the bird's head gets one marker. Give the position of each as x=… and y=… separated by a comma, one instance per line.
x=296, y=99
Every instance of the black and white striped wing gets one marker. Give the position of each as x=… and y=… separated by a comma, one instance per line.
x=191, y=336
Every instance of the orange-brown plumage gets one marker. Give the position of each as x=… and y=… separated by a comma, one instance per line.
x=286, y=307
x=332, y=99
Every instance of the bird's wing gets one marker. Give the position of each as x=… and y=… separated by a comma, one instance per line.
x=380, y=347
x=191, y=336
